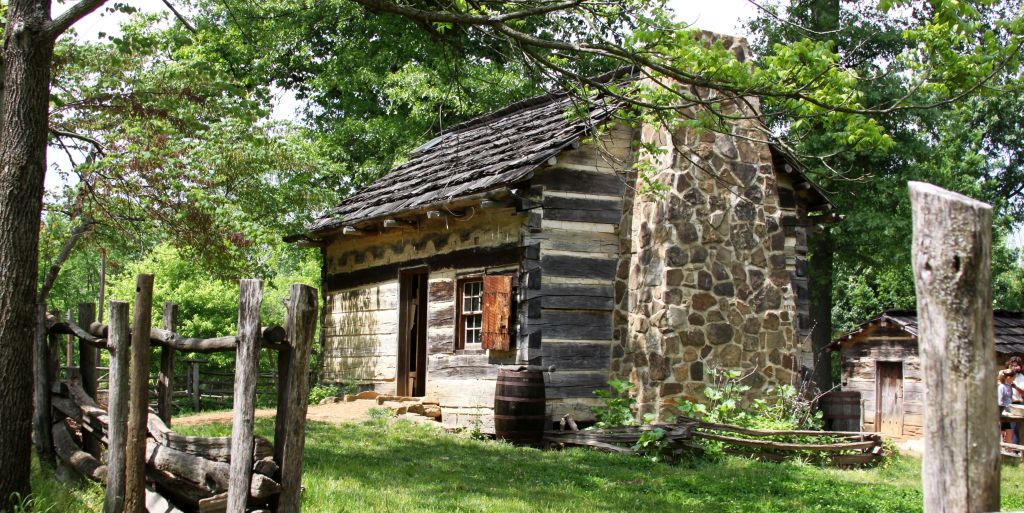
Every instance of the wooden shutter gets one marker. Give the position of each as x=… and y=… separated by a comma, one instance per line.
x=497, y=332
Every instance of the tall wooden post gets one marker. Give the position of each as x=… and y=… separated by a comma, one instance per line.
x=165, y=381
x=119, y=342
x=87, y=369
x=55, y=351
x=86, y=352
x=70, y=340
x=193, y=385
x=290, y=430
x=247, y=361
x=138, y=413
x=951, y=254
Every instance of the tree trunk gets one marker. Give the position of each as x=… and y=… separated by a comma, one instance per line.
x=824, y=18
x=27, y=54
x=820, y=271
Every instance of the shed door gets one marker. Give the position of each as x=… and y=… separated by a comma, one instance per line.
x=890, y=398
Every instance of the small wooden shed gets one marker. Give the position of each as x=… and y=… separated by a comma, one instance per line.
x=880, y=362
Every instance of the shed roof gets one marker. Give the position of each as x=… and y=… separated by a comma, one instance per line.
x=1008, y=328
x=490, y=152
x=484, y=154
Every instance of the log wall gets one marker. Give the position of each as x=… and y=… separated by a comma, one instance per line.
x=579, y=244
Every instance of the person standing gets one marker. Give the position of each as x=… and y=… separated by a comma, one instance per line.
x=1013, y=366
x=1006, y=379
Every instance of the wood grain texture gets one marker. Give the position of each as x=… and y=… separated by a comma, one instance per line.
x=577, y=180
x=497, y=313
x=952, y=247
x=87, y=354
x=117, y=400
x=165, y=380
x=570, y=266
x=585, y=210
x=135, y=454
x=247, y=362
x=290, y=432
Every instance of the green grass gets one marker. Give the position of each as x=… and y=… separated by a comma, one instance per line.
x=409, y=468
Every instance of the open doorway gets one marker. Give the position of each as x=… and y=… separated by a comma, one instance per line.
x=412, y=334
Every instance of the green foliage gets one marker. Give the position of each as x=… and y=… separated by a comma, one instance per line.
x=783, y=409
x=962, y=138
x=652, y=444
x=319, y=392
x=618, y=408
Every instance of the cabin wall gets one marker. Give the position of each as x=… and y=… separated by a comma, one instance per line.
x=860, y=357
x=579, y=247
x=710, y=278
x=361, y=303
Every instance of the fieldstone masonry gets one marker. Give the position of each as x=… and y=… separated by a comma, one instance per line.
x=709, y=271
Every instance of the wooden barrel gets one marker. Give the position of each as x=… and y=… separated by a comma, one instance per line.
x=519, y=406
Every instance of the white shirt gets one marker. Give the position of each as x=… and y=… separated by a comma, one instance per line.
x=1018, y=381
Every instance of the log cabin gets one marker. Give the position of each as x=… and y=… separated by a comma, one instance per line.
x=880, y=362
x=523, y=237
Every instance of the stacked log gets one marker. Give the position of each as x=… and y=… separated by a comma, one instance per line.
x=187, y=473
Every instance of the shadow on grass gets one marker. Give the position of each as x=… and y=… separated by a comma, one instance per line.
x=403, y=467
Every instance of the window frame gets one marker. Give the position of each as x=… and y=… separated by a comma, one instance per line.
x=460, y=328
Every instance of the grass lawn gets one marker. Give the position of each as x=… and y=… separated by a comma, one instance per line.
x=409, y=468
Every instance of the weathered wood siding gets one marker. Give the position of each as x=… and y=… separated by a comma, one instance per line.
x=361, y=302
x=578, y=243
x=860, y=357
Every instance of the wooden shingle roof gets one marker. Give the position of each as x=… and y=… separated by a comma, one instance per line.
x=488, y=153
x=1007, y=326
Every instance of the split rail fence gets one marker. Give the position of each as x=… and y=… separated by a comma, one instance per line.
x=148, y=466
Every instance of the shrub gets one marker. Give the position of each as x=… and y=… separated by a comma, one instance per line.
x=320, y=392
x=618, y=408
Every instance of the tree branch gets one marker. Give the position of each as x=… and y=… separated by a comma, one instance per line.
x=61, y=23
x=65, y=253
x=180, y=17
x=64, y=133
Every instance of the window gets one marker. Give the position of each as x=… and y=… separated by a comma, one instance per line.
x=471, y=313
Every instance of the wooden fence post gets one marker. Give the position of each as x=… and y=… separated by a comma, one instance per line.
x=119, y=342
x=247, y=361
x=951, y=254
x=165, y=381
x=135, y=457
x=87, y=370
x=86, y=352
x=193, y=385
x=293, y=368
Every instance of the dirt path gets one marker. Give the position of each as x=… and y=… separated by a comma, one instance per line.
x=337, y=413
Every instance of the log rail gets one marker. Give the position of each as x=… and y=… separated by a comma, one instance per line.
x=151, y=467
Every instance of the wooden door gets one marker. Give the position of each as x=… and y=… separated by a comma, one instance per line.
x=889, y=404
x=412, y=335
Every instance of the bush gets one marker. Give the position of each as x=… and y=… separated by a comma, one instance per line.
x=784, y=407
x=320, y=392
x=618, y=408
